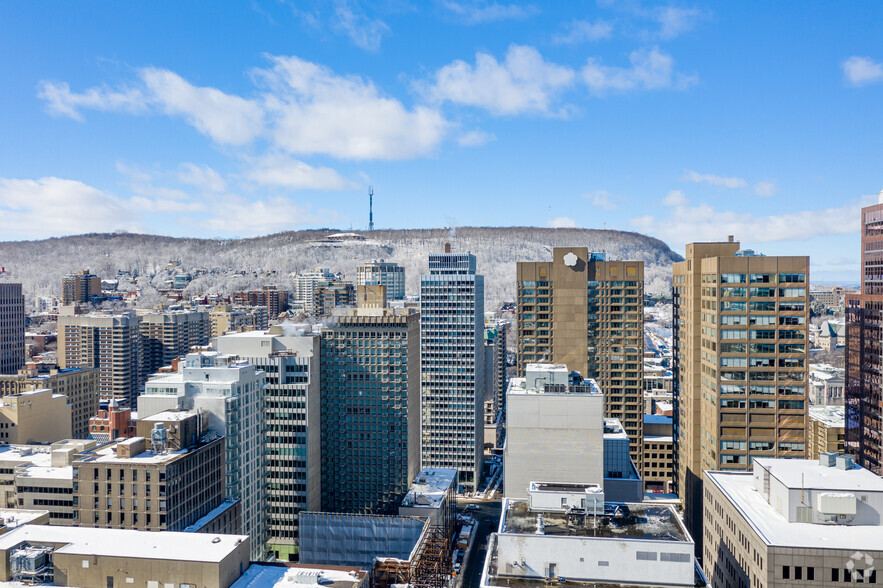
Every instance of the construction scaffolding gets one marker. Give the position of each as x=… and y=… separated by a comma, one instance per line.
x=429, y=567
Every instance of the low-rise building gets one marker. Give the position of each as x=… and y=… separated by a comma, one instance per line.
x=289, y=575
x=346, y=539
x=658, y=452
x=825, y=430
x=226, y=318
x=78, y=556
x=49, y=483
x=793, y=522
x=541, y=540
x=35, y=417
x=433, y=495
x=112, y=422
x=826, y=384
x=165, y=482
x=80, y=385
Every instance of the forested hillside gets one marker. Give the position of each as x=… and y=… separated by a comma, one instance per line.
x=231, y=265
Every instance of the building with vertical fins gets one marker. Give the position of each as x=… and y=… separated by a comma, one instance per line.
x=292, y=441
x=230, y=391
x=864, y=349
x=370, y=407
x=587, y=313
x=452, y=363
x=740, y=362
x=12, y=328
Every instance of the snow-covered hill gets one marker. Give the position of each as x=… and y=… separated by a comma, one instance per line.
x=233, y=265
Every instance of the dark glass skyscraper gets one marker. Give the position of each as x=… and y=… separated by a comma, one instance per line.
x=864, y=352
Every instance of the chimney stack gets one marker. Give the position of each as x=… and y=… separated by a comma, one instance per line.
x=447, y=247
x=730, y=238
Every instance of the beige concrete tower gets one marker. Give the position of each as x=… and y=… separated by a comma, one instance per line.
x=588, y=313
x=740, y=351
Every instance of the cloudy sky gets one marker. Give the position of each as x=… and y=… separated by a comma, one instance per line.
x=683, y=121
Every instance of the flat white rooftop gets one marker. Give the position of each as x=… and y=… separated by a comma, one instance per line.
x=808, y=473
x=519, y=386
x=47, y=473
x=26, y=454
x=275, y=576
x=170, y=415
x=832, y=416
x=775, y=529
x=165, y=545
x=429, y=487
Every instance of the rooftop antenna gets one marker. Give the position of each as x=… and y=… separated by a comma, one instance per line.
x=370, y=208
x=550, y=215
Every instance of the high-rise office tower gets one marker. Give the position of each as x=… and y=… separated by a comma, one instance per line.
x=80, y=287
x=230, y=391
x=12, y=328
x=292, y=438
x=170, y=334
x=588, y=313
x=864, y=349
x=385, y=273
x=109, y=343
x=739, y=359
x=370, y=409
x=452, y=365
x=495, y=377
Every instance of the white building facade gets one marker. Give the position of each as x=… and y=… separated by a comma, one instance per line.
x=230, y=390
x=452, y=365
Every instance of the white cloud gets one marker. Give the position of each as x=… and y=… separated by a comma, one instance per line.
x=523, y=83
x=280, y=170
x=478, y=12
x=201, y=176
x=601, y=199
x=260, y=217
x=365, y=33
x=313, y=110
x=475, y=138
x=766, y=188
x=702, y=222
x=650, y=70
x=166, y=205
x=563, y=222
x=61, y=101
x=860, y=71
x=714, y=180
x=50, y=207
x=675, y=21
x=581, y=31
x=674, y=198
x=227, y=119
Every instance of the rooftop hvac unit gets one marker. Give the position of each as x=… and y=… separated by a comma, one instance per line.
x=836, y=503
x=845, y=462
x=828, y=459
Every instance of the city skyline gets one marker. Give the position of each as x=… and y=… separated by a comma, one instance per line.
x=683, y=122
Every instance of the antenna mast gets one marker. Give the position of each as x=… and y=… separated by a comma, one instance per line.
x=370, y=208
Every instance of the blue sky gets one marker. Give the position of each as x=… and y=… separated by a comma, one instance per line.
x=684, y=121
